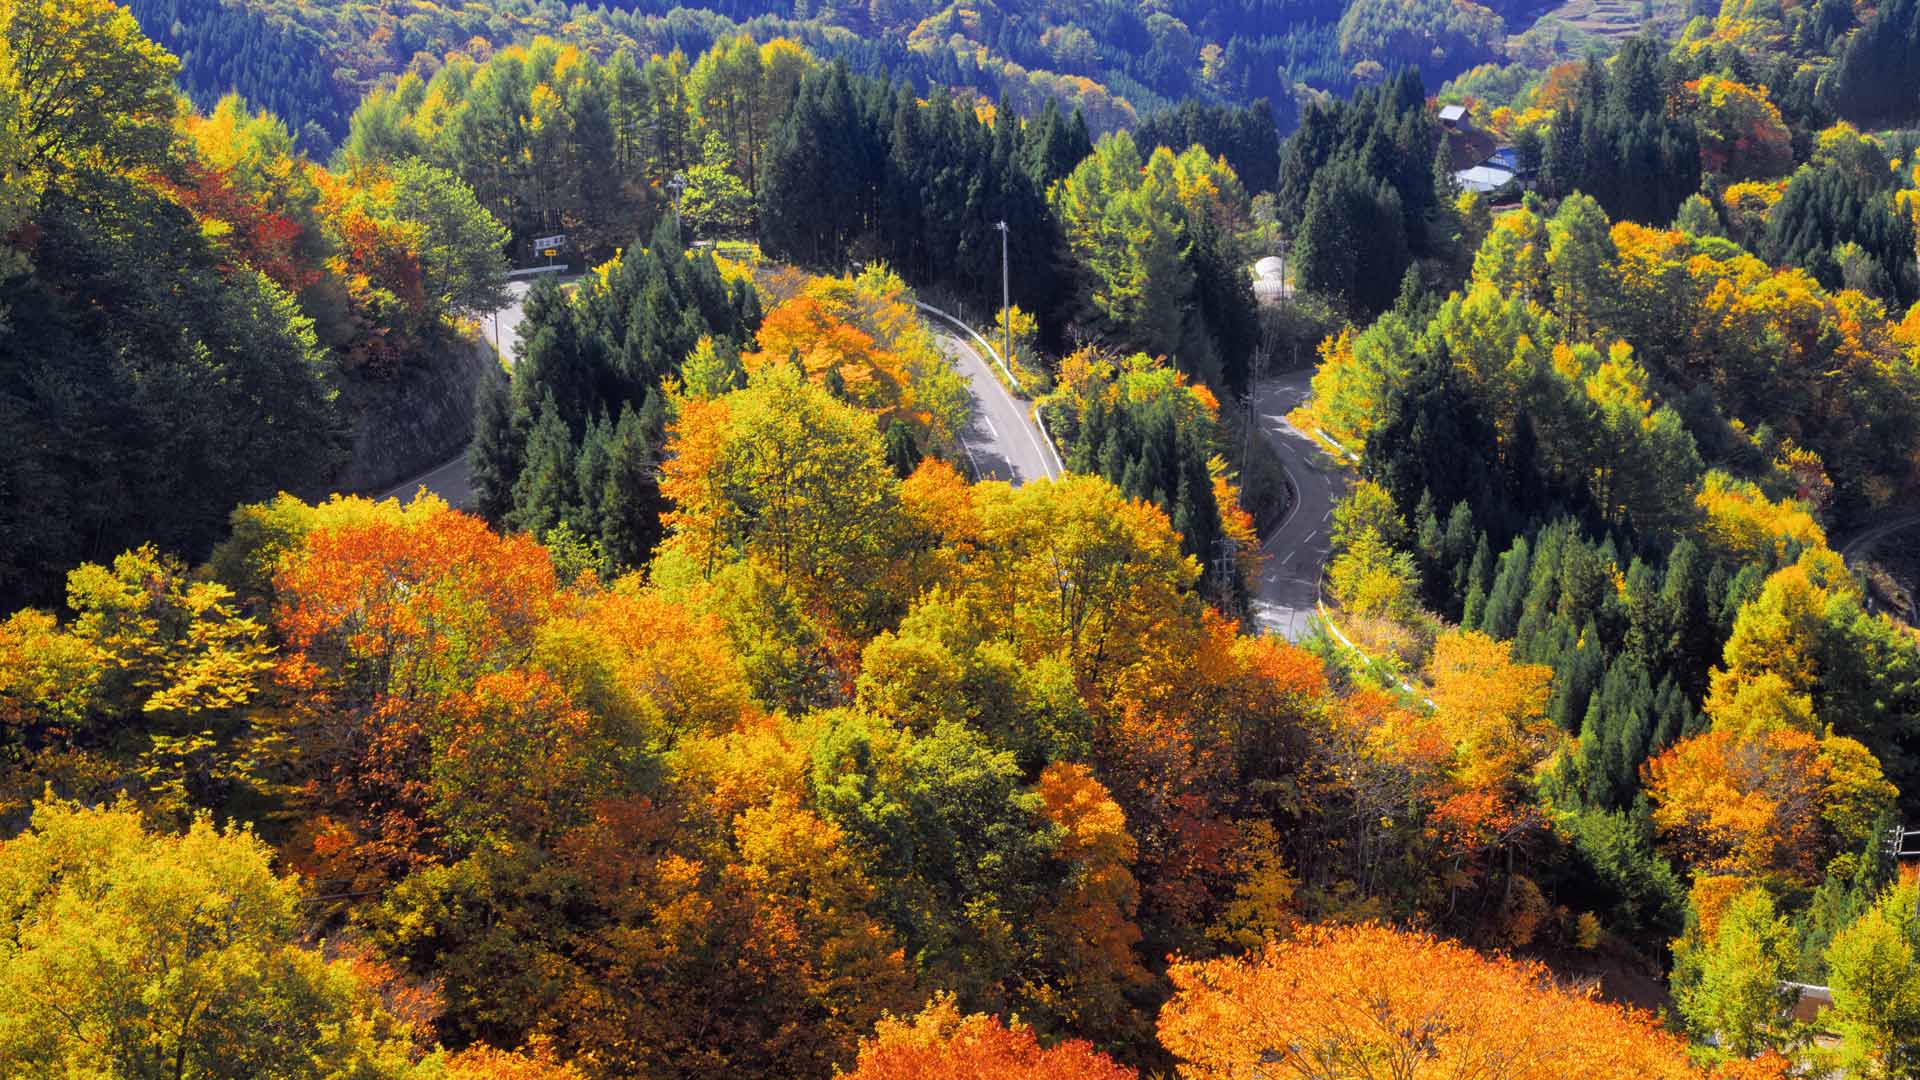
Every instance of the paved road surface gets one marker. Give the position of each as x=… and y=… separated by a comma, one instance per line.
x=1285, y=599
x=1866, y=542
x=452, y=479
x=507, y=319
x=1001, y=441
x=1868, y=539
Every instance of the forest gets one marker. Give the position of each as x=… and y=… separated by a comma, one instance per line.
x=735, y=726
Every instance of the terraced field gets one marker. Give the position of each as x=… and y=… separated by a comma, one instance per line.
x=1566, y=29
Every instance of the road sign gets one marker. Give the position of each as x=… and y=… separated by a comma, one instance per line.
x=551, y=242
x=551, y=252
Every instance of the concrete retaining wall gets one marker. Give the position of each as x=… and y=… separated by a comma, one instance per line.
x=407, y=424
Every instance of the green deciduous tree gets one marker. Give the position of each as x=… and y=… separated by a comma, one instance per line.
x=1728, y=972
x=129, y=954
x=716, y=204
x=91, y=89
x=1874, y=970
x=790, y=477
x=462, y=248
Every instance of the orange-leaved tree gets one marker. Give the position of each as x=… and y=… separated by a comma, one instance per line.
x=1088, y=925
x=384, y=616
x=861, y=337
x=1372, y=1001
x=941, y=1044
x=1777, y=802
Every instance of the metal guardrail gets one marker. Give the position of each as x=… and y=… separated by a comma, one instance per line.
x=1039, y=417
x=1335, y=443
x=1903, y=843
x=1319, y=585
x=1059, y=464
x=1326, y=620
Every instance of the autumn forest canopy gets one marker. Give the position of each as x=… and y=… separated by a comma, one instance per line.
x=413, y=668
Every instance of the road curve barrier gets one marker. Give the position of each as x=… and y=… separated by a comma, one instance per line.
x=1326, y=620
x=1059, y=465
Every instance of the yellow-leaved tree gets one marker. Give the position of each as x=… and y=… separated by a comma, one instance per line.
x=126, y=953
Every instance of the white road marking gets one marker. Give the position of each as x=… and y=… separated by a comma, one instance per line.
x=970, y=460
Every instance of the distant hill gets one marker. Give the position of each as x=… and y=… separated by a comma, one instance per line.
x=312, y=62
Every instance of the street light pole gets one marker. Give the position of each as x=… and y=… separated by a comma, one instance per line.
x=1006, y=304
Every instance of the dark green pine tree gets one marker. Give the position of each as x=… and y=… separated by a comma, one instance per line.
x=1222, y=340
x=494, y=456
x=630, y=501
x=1508, y=593
x=1479, y=582
x=1877, y=80
x=653, y=416
x=1617, y=735
x=545, y=492
x=903, y=453
x=821, y=173
x=591, y=467
x=1429, y=547
x=553, y=367
x=1053, y=145
x=1577, y=673
x=1675, y=717
x=1456, y=554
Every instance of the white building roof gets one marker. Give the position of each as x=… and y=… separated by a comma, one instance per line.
x=1483, y=178
x=1453, y=114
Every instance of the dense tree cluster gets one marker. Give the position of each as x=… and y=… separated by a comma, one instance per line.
x=276, y=63
x=569, y=443
x=860, y=168
x=1840, y=217
x=741, y=735
x=553, y=141
x=1606, y=451
x=1876, y=81
x=1157, y=243
x=853, y=743
x=1116, y=63
x=90, y=894
x=827, y=167
x=189, y=298
x=1247, y=138
x=1615, y=138
x=1144, y=427
x=1358, y=194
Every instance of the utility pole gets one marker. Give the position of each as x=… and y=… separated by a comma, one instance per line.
x=1006, y=303
x=1246, y=421
x=1286, y=287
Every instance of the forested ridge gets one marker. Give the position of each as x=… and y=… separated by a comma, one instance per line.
x=734, y=726
x=1121, y=64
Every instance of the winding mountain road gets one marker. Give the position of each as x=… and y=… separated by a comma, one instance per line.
x=452, y=479
x=1288, y=592
x=1868, y=539
x=1001, y=441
